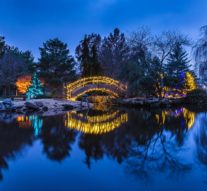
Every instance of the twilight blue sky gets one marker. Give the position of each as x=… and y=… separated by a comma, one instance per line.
x=28, y=23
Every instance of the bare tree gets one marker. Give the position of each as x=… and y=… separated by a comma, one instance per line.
x=200, y=52
x=164, y=43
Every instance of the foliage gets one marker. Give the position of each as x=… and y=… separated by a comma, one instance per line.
x=197, y=97
x=197, y=93
x=190, y=81
x=200, y=52
x=163, y=44
x=13, y=64
x=2, y=46
x=56, y=65
x=36, y=89
x=133, y=71
x=113, y=53
x=143, y=72
x=24, y=82
x=149, y=64
x=177, y=66
x=87, y=54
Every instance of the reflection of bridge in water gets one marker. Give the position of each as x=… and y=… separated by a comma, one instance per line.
x=101, y=120
x=98, y=124
x=94, y=84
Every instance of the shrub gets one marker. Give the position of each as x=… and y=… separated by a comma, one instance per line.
x=197, y=96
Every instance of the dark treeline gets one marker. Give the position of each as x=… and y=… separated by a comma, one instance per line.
x=143, y=61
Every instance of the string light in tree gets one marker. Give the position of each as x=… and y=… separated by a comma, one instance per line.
x=23, y=83
x=36, y=88
x=190, y=82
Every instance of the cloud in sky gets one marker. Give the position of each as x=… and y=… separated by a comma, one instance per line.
x=27, y=23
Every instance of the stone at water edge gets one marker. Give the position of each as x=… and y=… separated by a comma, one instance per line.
x=67, y=106
x=32, y=106
x=45, y=108
x=2, y=107
x=7, y=101
x=39, y=103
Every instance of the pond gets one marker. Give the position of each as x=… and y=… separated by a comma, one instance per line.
x=104, y=149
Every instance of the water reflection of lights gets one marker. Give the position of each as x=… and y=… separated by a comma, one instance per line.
x=95, y=124
x=23, y=121
x=37, y=123
x=96, y=119
x=33, y=121
x=189, y=116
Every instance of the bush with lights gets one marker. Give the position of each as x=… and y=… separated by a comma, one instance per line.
x=35, y=90
x=190, y=82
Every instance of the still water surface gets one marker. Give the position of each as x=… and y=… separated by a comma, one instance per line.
x=103, y=149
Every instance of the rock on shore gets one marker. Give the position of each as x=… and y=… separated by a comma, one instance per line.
x=149, y=102
x=46, y=106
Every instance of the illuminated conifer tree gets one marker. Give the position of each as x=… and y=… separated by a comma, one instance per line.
x=36, y=88
x=190, y=82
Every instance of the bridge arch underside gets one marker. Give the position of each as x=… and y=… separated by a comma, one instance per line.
x=95, y=84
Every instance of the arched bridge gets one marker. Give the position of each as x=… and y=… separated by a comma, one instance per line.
x=97, y=83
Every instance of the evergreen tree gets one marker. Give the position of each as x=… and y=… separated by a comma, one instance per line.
x=36, y=88
x=113, y=53
x=177, y=66
x=56, y=64
x=87, y=55
x=155, y=77
x=137, y=74
x=96, y=69
x=2, y=46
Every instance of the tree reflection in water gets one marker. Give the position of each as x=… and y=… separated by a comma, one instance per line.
x=158, y=146
x=201, y=139
x=12, y=139
x=56, y=138
x=144, y=141
x=149, y=140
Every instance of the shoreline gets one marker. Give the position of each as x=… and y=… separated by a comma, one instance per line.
x=45, y=107
x=52, y=106
x=156, y=103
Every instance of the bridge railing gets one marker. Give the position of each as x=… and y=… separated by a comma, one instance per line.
x=107, y=84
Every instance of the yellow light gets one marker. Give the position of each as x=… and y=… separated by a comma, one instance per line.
x=23, y=121
x=24, y=82
x=189, y=117
x=97, y=80
x=190, y=83
x=102, y=90
x=97, y=124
